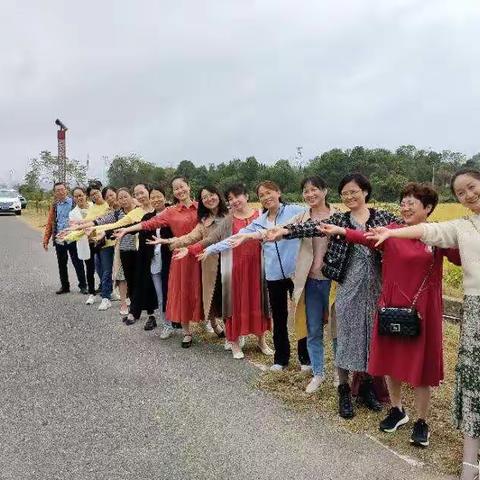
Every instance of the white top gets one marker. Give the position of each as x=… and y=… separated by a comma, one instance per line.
x=464, y=235
x=83, y=248
x=156, y=265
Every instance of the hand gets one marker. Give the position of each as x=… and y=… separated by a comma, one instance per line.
x=202, y=256
x=89, y=230
x=378, y=235
x=98, y=236
x=180, y=253
x=158, y=240
x=45, y=246
x=61, y=235
x=330, y=230
x=237, y=239
x=274, y=234
x=120, y=233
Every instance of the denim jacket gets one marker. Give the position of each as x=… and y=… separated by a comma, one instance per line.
x=279, y=257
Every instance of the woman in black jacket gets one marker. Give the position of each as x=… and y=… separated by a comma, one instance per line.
x=357, y=271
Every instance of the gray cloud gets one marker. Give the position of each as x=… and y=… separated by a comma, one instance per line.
x=210, y=80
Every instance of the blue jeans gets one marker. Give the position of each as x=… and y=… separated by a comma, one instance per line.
x=316, y=305
x=104, y=270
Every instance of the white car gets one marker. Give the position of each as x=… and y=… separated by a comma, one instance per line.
x=9, y=202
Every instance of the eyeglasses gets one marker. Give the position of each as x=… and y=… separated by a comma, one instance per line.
x=350, y=193
x=409, y=204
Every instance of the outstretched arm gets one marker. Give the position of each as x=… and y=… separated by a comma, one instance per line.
x=380, y=234
x=252, y=231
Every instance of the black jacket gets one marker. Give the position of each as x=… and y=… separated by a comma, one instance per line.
x=339, y=251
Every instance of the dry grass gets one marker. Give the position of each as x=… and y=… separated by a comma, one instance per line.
x=34, y=218
x=443, y=454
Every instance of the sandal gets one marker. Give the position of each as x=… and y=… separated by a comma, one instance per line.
x=187, y=341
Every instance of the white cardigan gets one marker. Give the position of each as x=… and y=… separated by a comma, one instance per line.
x=83, y=248
x=465, y=236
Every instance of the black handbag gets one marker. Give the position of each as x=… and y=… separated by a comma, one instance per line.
x=402, y=321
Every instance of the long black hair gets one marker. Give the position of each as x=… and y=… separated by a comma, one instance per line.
x=203, y=212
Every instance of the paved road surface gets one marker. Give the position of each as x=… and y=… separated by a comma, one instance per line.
x=84, y=397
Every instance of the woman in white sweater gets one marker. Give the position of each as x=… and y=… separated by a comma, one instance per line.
x=464, y=234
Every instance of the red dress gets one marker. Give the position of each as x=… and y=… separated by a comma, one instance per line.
x=247, y=312
x=184, y=300
x=417, y=361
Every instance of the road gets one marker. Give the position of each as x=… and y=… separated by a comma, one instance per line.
x=84, y=397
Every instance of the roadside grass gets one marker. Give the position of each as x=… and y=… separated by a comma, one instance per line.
x=445, y=451
x=35, y=218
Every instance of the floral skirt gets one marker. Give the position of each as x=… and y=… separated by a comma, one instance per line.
x=467, y=382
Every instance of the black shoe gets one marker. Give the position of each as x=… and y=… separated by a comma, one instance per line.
x=84, y=290
x=420, y=434
x=151, y=323
x=62, y=290
x=345, y=406
x=130, y=321
x=366, y=396
x=395, y=418
x=187, y=343
x=124, y=319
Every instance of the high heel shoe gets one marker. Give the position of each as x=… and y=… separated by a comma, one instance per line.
x=220, y=332
x=265, y=349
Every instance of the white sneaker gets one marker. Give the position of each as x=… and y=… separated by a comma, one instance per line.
x=227, y=346
x=277, y=368
x=305, y=368
x=207, y=326
x=105, y=304
x=314, y=384
x=167, y=332
x=90, y=300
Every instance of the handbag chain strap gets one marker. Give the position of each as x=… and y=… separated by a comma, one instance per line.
x=425, y=280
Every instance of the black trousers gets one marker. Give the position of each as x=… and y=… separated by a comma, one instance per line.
x=62, y=251
x=129, y=262
x=279, y=292
x=90, y=268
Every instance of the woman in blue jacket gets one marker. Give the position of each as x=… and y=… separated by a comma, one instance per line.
x=279, y=263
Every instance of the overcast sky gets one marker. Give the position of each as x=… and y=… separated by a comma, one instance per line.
x=211, y=80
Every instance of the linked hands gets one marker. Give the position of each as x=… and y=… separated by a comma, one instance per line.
x=159, y=241
x=378, y=235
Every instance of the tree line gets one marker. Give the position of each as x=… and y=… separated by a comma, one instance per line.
x=387, y=170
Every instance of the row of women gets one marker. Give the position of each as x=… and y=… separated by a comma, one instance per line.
x=244, y=266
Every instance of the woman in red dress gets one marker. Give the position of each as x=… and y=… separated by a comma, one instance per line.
x=184, y=300
x=244, y=302
x=417, y=361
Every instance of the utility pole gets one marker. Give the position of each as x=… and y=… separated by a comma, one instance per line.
x=62, y=150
